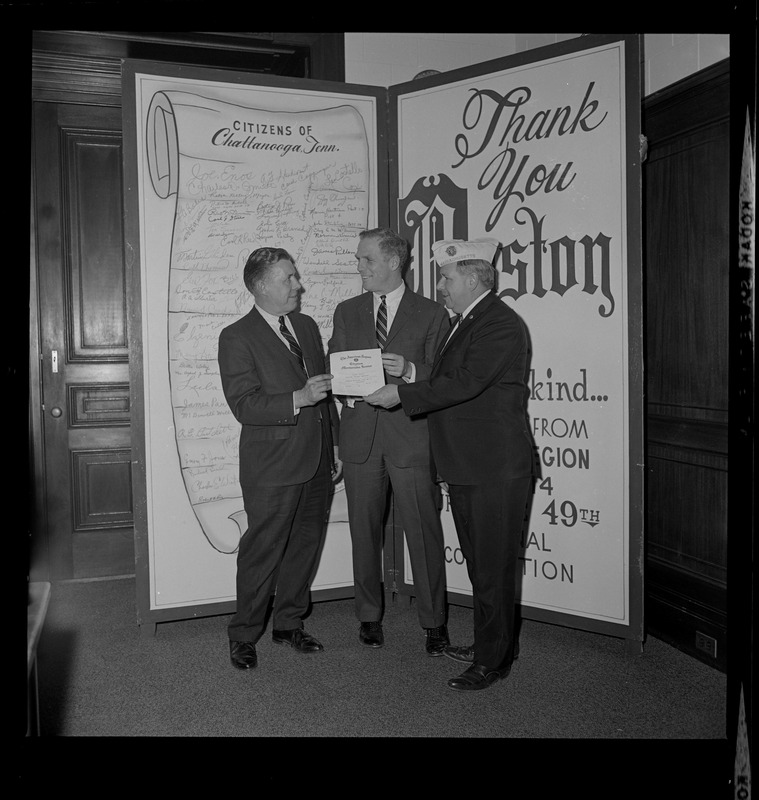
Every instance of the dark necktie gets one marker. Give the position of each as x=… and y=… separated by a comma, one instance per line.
x=454, y=322
x=293, y=342
x=382, y=323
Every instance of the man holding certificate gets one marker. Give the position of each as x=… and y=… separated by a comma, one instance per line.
x=390, y=329
x=272, y=371
x=476, y=398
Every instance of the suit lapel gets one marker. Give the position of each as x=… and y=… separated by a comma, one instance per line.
x=444, y=344
x=402, y=315
x=304, y=340
x=465, y=324
x=309, y=347
x=265, y=330
x=366, y=320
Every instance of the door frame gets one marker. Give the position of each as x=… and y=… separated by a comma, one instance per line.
x=72, y=66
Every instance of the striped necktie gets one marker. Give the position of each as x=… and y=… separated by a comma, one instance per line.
x=382, y=323
x=293, y=342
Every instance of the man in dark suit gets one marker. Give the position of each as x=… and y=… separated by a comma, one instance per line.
x=475, y=399
x=274, y=380
x=381, y=447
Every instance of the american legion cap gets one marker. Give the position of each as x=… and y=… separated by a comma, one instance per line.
x=452, y=250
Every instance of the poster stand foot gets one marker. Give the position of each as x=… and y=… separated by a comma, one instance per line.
x=147, y=630
x=633, y=647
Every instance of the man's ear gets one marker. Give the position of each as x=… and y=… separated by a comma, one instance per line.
x=260, y=287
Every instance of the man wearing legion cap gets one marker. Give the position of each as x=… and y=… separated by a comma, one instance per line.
x=475, y=401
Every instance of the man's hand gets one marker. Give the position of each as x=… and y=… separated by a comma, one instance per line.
x=337, y=467
x=314, y=390
x=386, y=396
x=395, y=365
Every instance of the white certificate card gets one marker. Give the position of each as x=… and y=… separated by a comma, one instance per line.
x=356, y=373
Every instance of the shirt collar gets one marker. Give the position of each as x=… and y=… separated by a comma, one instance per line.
x=391, y=297
x=272, y=319
x=472, y=305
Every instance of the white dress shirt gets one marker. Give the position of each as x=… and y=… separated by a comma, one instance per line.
x=392, y=301
x=273, y=322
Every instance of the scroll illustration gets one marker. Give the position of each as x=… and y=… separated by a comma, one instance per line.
x=243, y=178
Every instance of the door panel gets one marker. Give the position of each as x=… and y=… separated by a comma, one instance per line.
x=93, y=227
x=687, y=268
x=84, y=347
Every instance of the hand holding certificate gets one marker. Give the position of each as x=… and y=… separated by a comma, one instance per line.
x=356, y=373
x=385, y=396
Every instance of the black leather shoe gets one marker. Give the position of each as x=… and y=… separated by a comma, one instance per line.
x=370, y=634
x=298, y=639
x=477, y=677
x=243, y=655
x=465, y=654
x=437, y=640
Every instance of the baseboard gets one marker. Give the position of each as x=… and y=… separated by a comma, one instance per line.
x=687, y=612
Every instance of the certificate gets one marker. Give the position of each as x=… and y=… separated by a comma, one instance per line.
x=356, y=373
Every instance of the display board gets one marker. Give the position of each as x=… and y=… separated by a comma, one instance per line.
x=538, y=150
x=541, y=152
x=216, y=167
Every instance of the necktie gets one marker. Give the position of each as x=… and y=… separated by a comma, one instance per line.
x=293, y=342
x=454, y=324
x=382, y=323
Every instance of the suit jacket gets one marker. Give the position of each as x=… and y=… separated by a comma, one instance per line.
x=419, y=326
x=475, y=399
x=259, y=375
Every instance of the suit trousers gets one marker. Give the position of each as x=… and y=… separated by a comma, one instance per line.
x=417, y=503
x=489, y=519
x=279, y=551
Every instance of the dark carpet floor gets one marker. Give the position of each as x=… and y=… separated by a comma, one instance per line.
x=100, y=677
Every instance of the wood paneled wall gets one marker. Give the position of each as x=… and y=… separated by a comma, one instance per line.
x=686, y=190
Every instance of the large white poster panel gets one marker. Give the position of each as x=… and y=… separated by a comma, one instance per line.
x=536, y=156
x=221, y=169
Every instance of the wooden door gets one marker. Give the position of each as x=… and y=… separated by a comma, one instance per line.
x=81, y=492
x=84, y=369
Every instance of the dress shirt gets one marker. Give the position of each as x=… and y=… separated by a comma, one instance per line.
x=273, y=322
x=393, y=300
